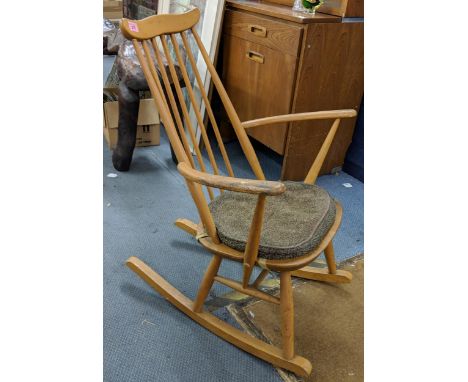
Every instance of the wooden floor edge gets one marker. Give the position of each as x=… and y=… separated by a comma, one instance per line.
x=269, y=353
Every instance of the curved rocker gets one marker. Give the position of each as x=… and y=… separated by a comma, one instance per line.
x=170, y=33
x=299, y=365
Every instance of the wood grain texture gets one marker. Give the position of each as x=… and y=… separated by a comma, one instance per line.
x=330, y=256
x=174, y=106
x=269, y=353
x=342, y=8
x=264, y=273
x=187, y=225
x=207, y=283
x=288, y=3
x=262, y=30
x=302, y=261
x=251, y=291
x=203, y=210
x=322, y=154
x=334, y=7
x=328, y=114
x=287, y=314
x=195, y=105
x=333, y=61
x=244, y=141
x=220, y=249
x=253, y=240
x=208, y=106
x=206, y=232
x=251, y=186
x=156, y=25
x=185, y=111
x=276, y=265
x=355, y=8
x=328, y=74
x=160, y=104
x=256, y=90
x=323, y=274
x=166, y=117
x=281, y=11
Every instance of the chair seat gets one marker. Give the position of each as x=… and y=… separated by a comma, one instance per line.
x=294, y=224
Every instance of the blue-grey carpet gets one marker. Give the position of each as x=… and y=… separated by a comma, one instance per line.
x=145, y=337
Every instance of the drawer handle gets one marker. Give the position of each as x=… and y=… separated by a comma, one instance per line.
x=257, y=30
x=255, y=56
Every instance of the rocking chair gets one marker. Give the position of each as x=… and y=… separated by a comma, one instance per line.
x=282, y=233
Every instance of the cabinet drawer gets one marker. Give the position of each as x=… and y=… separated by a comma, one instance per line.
x=259, y=81
x=261, y=30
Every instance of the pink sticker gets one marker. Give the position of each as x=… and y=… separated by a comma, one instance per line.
x=133, y=26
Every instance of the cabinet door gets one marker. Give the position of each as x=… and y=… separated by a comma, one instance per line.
x=259, y=81
x=331, y=77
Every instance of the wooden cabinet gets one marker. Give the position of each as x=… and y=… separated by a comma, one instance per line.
x=276, y=61
x=256, y=51
x=277, y=35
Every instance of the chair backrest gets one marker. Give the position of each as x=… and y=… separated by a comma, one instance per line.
x=174, y=35
x=170, y=34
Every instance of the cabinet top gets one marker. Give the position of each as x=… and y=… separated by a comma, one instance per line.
x=281, y=11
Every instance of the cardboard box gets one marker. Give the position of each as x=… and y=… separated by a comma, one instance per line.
x=148, y=123
x=113, y=10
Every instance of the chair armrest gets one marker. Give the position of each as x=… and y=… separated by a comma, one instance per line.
x=329, y=114
x=250, y=186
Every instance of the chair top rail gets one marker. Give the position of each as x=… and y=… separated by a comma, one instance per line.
x=157, y=25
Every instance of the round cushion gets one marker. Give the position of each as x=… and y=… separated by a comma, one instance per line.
x=294, y=223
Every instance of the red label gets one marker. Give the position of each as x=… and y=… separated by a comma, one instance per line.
x=133, y=26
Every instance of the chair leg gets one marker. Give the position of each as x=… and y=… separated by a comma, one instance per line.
x=260, y=278
x=330, y=256
x=244, y=341
x=207, y=283
x=329, y=274
x=287, y=314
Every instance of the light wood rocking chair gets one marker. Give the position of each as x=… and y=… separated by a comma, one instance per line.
x=161, y=32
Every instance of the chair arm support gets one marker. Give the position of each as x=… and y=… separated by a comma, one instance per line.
x=329, y=114
x=250, y=186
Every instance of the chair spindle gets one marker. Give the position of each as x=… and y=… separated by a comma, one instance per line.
x=184, y=109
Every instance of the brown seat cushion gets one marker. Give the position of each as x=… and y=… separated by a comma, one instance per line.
x=294, y=224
